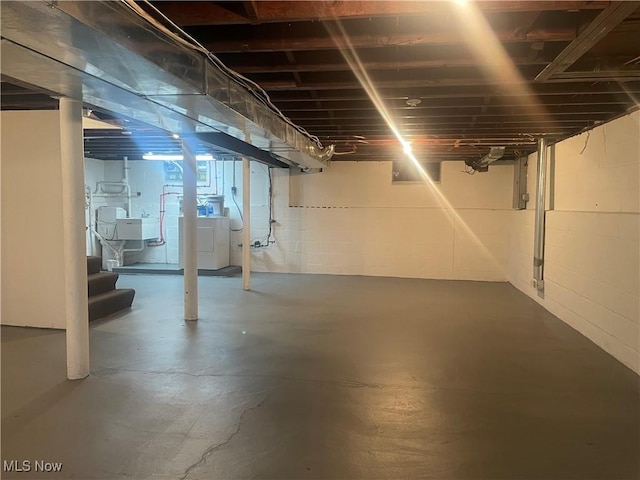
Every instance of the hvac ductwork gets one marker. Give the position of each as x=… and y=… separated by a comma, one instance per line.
x=482, y=165
x=112, y=58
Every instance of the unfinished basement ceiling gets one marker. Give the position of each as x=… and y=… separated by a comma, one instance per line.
x=420, y=51
x=558, y=67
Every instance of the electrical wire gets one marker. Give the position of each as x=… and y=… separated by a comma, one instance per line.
x=268, y=239
x=233, y=197
x=253, y=88
x=586, y=142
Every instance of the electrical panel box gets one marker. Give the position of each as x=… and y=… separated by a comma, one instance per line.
x=520, y=195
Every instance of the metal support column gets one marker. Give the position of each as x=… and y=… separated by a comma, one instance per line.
x=189, y=224
x=538, y=246
x=73, y=221
x=246, y=232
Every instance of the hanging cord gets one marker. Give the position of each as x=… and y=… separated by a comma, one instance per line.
x=268, y=240
x=586, y=142
x=234, y=190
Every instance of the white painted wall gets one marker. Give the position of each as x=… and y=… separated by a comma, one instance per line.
x=93, y=173
x=32, y=237
x=352, y=220
x=592, y=266
x=147, y=179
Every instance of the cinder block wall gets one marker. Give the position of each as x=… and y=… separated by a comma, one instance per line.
x=352, y=220
x=32, y=238
x=592, y=269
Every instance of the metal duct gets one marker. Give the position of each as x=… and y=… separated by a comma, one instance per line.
x=482, y=165
x=103, y=53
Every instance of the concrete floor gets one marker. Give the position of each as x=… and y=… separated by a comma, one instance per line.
x=323, y=377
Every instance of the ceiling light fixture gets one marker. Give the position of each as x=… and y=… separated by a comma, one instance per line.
x=414, y=102
x=175, y=158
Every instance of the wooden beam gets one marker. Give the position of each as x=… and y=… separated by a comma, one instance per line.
x=606, y=21
x=283, y=85
x=296, y=75
x=528, y=24
x=392, y=65
x=252, y=11
x=499, y=114
x=445, y=140
x=459, y=126
x=462, y=120
x=457, y=130
x=292, y=111
x=571, y=94
x=597, y=76
x=428, y=92
x=200, y=13
x=191, y=13
x=440, y=37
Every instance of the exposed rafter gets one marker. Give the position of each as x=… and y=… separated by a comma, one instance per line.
x=371, y=65
x=462, y=102
x=211, y=13
x=445, y=36
x=604, y=23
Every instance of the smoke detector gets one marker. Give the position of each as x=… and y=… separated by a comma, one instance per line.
x=414, y=102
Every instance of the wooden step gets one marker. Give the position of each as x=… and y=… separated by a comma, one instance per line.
x=108, y=303
x=94, y=265
x=101, y=282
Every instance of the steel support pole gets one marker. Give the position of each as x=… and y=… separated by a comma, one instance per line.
x=73, y=222
x=538, y=245
x=189, y=224
x=246, y=224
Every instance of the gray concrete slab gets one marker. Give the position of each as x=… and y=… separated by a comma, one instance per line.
x=323, y=377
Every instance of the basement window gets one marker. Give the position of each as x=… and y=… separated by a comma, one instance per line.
x=173, y=172
x=406, y=172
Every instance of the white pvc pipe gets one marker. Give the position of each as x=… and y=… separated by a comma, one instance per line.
x=120, y=184
x=246, y=224
x=75, y=259
x=88, y=193
x=190, y=214
x=125, y=180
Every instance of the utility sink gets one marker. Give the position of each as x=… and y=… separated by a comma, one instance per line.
x=137, y=228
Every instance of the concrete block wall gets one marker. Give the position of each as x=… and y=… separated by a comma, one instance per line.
x=147, y=179
x=351, y=220
x=592, y=248
x=32, y=237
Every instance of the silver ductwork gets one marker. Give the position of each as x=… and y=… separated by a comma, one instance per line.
x=482, y=164
x=111, y=58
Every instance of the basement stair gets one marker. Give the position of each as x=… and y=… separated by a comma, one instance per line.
x=104, y=298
